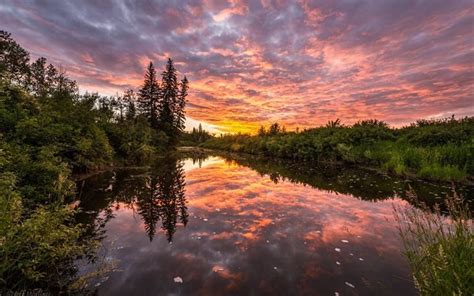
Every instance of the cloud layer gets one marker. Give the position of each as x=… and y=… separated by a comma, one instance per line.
x=300, y=63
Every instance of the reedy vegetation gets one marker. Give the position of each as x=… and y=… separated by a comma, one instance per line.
x=439, y=248
x=49, y=132
x=433, y=149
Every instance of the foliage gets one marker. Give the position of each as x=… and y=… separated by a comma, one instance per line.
x=421, y=149
x=13, y=59
x=149, y=96
x=37, y=244
x=440, y=249
x=48, y=131
x=163, y=104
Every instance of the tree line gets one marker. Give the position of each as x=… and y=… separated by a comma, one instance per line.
x=438, y=149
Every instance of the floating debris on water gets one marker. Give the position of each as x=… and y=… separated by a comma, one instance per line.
x=345, y=241
x=336, y=294
x=205, y=219
x=361, y=259
x=350, y=285
x=351, y=254
x=338, y=263
x=337, y=249
x=268, y=241
x=178, y=280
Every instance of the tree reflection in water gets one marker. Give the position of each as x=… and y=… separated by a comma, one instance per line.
x=163, y=197
x=156, y=195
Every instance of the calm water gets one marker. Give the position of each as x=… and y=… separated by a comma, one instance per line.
x=248, y=227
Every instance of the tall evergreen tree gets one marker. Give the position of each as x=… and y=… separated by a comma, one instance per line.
x=169, y=102
x=149, y=97
x=181, y=105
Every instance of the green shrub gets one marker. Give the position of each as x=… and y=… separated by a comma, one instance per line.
x=37, y=251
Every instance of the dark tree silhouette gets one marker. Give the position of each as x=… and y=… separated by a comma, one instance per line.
x=169, y=102
x=181, y=105
x=149, y=97
x=149, y=207
x=13, y=59
x=261, y=131
x=163, y=198
x=38, y=77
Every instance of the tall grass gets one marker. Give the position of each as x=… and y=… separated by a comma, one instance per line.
x=439, y=245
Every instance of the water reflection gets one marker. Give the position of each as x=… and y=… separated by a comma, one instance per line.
x=360, y=183
x=248, y=227
x=157, y=195
x=162, y=198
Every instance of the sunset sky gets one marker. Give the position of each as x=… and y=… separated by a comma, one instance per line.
x=300, y=63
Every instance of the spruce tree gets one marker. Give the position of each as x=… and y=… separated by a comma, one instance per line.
x=180, y=113
x=149, y=97
x=169, y=102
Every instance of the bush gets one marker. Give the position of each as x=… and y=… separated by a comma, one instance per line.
x=39, y=250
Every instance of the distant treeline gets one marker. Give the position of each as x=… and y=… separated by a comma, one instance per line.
x=195, y=137
x=433, y=149
x=48, y=131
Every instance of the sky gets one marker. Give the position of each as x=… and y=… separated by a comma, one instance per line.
x=254, y=62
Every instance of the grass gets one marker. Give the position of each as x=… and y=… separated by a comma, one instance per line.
x=439, y=245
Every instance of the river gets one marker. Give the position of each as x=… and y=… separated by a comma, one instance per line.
x=248, y=226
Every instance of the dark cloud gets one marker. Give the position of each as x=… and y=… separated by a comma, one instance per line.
x=252, y=62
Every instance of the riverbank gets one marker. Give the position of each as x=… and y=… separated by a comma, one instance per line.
x=439, y=150
x=407, y=177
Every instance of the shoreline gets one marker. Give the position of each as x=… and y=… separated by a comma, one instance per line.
x=195, y=151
